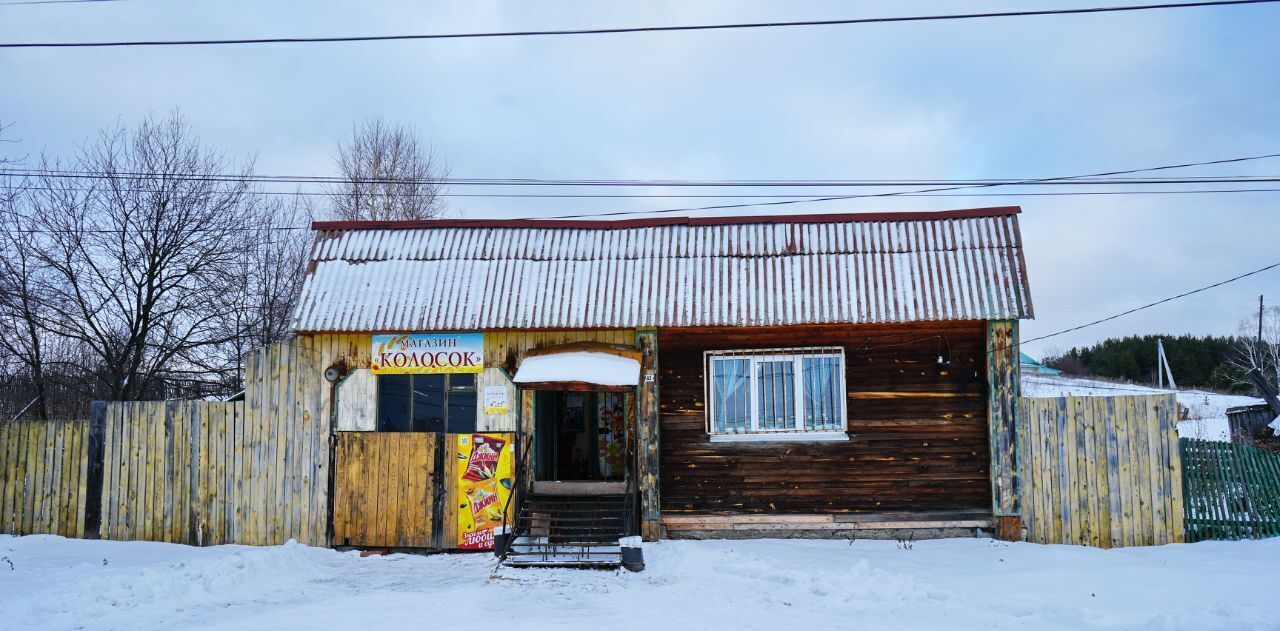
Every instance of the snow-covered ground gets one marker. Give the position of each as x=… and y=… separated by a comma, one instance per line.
x=1207, y=411
x=57, y=583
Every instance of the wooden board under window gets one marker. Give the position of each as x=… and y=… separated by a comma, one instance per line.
x=384, y=489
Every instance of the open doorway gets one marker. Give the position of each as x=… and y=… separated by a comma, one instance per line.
x=580, y=436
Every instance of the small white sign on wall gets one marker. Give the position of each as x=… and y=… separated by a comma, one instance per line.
x=495, y=399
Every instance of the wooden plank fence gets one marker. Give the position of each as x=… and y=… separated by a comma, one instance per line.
x=206, y=472
x=147, y=471
x=1232, y=490
x=43, y=471
x=1100, y=471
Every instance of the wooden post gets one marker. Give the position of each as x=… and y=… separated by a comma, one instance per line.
x=647, y=437
x=1002, y=421
x=93, y=484
x=528, y=446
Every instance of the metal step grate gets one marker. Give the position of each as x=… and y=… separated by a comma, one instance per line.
x=569, y=531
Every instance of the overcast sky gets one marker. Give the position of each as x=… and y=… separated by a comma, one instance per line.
x=1009, y=98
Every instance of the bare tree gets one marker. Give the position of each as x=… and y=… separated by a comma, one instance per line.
x=21, y=339
x=1262, y=354
x=142, y=257
x=10, y=186
x=388, y=174
x=270, y=270
x=21, y=301
x=4, y=161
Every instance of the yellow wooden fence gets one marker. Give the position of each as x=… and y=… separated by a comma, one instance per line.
x=1100, y=471
x=144, y=447
x=252, y=472
x=384, y=489
x=43, y=468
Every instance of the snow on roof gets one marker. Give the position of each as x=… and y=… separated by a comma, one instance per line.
x=604, y=369
x=735, y=271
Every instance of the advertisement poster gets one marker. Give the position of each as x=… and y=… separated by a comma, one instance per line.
x=427, y=353
x=486, y=468
x=495, y=399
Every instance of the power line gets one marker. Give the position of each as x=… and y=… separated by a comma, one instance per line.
x=690, y=195
x=518, y=182
x=924, y=192
x=1084, y=180
x=26, y=2
x=634, y=29
x=1153, y=304
x=673, y=183
x=1112, y=299
x=932, y=190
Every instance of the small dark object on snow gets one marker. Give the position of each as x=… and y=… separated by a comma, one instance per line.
x=633, y=558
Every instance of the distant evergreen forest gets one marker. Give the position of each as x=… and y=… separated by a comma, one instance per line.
x=1199, y=362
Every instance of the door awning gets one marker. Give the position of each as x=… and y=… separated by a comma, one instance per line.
x=580, y=366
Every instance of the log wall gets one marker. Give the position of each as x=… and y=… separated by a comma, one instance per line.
x=918, y=437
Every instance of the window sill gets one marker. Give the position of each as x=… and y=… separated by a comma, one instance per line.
x=781, y=437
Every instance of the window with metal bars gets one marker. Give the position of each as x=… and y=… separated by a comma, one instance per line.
x=781, y=392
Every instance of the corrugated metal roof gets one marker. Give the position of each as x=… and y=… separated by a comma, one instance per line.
x=470, y=275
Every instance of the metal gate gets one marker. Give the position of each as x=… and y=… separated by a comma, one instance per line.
x=1232, y=490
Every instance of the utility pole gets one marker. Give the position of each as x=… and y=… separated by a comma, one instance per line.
x=1260, y=319
x=1162, y=366
x=1159, y=367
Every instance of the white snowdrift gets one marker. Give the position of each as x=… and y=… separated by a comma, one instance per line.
x=769, y=584
x=1207, y=411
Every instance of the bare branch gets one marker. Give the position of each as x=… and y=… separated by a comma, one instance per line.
x=389, y=175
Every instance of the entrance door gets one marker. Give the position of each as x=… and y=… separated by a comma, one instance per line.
x=580, y=435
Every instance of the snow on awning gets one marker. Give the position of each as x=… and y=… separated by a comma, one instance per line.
x=591, y=367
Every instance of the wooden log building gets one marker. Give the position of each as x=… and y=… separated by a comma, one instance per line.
x=808, y=375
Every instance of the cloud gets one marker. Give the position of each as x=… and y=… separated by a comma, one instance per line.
x=1034, y=97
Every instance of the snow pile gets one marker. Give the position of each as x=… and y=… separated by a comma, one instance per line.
x=600, y=368
x=56, y=584
x=1207, y=411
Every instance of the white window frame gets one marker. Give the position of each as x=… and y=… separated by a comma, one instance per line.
x=796, y=356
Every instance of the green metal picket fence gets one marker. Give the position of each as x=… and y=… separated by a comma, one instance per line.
x=1230, y=491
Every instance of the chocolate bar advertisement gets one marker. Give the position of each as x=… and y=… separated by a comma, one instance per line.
x=486, y=467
